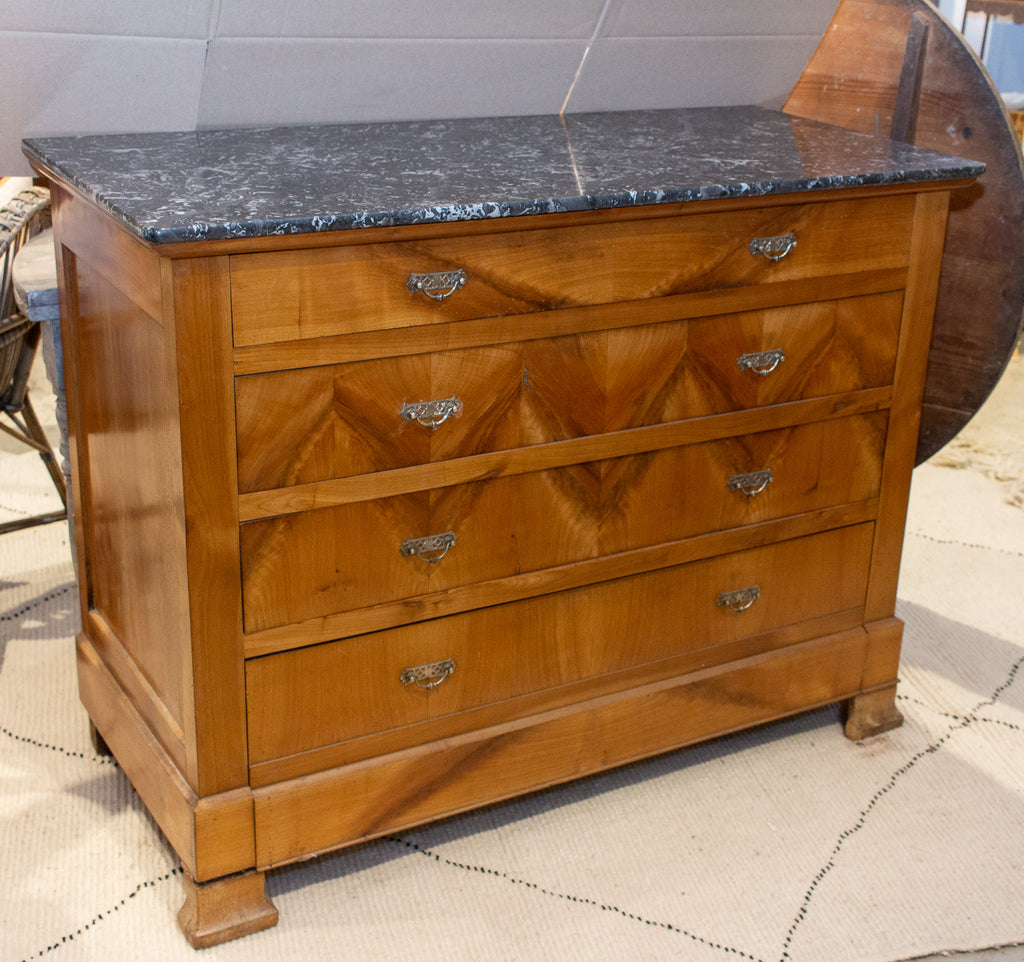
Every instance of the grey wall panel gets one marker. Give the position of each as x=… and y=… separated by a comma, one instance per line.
x=145, y=18
x=290, y=81
x=715, y=18
x=72, y=66
x=690, y=72
x=441, y=19
x=59, y=84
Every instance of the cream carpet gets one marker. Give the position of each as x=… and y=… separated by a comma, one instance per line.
x=785, y=844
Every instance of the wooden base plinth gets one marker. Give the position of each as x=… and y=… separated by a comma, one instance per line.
x=225, y=909
x=871, y=714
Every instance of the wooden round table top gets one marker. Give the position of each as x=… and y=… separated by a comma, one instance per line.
x=852, y=81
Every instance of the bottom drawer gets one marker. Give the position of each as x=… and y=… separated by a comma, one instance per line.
x=308, y=698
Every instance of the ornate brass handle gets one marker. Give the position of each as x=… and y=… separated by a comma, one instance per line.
x=431, y=549
x=773, y=248
x=428, y=676
x=437, y=286
x=761, y=362
x=753, y=483
x=739, y=600
x=432, y=414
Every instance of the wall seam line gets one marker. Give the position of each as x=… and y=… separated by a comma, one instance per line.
x=586, y=53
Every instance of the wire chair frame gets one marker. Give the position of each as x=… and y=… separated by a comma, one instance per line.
x=21, y=217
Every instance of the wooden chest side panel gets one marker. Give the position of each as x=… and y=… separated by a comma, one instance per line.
x=130, y=480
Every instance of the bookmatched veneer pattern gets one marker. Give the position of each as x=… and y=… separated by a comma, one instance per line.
x=340, y=420
x=308, y=564
x=357, y=552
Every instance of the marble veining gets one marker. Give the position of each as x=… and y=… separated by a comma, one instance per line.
x=221, y=184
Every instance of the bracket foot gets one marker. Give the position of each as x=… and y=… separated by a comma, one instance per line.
x=225, y=909
x=871, y=714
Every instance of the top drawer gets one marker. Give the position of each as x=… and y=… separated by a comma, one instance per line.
x=289, y=295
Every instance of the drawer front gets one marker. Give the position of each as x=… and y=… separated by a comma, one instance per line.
x=312, y=697
x=307, y=565
x=301, y=426
x=290, y=295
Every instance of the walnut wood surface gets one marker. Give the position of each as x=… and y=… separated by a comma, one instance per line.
x=539, y=457
x=905, y=414
x=329, y=421
x=224, y=909
x=324, y=811
x=198, y=299
x=213, y=836
x=443, y=727
x=531, y=584
x=305, y=294
x=128, y=476
x=222, y=453
x=852, y=81
x=138, y=528
x=484, y=332
x=352, y=688
x=302, y=566
x=872, y=714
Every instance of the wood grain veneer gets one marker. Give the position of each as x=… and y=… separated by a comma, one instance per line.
x=300, y=294
x=338, y=420
x=246, y=481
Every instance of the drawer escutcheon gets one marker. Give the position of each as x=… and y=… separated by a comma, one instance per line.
x=431, y=549
x=753, y=483
x=428, y=676
x=761, y=362
x=432, y=414
x=772, y=248
x=437, y=286
x=739, y=600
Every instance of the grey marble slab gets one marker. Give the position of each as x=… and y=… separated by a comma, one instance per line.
x=219, y=184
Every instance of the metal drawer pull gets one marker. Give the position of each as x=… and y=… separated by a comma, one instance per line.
x=761, y=362
x=428, y=676
x=432, y=414
x=427, y=548
x=773, y=248
x=437, y=286
x=739, y=600
x=753, y=483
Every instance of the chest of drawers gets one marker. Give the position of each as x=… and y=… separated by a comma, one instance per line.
x=378, y=525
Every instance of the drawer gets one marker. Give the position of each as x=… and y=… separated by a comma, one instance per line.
x=301, y=426
x=307, y=565
x=290, y=295
x=301, y=700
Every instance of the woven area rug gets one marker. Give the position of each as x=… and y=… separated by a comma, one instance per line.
x=784, y=844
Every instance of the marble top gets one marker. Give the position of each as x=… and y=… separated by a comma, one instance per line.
x=221, y=184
